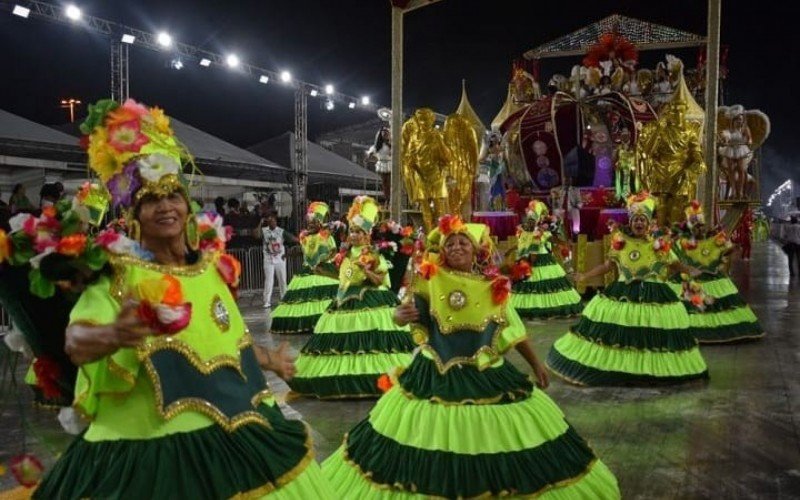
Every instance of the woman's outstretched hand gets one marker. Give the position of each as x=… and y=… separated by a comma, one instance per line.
x=280, y=360
x=542, y=377
x=406, y=313
x=85, y=343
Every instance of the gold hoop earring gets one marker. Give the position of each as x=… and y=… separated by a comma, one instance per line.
x=135, y=230
x=191, y=233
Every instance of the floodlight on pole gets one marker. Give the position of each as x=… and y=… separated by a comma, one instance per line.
x=286, y=77
x=205, y=62
x=72, y=12
x=21, y=11
x=264, y=79
x=164, y=39
x=365, y=101
x=232, y=60
x=129, y=39
x=329, y=89
x=70, y=104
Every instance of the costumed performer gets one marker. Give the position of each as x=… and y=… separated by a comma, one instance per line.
x=541, y=288
x=725, y=317
x=169, y=375
x=355, y=340
x=461, y=421
x=636, y=330
x=381, y=150
x=314, y=287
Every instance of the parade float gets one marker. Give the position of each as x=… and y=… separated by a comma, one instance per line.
x=612, y=127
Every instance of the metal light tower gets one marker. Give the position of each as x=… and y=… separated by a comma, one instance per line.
x=300, y=157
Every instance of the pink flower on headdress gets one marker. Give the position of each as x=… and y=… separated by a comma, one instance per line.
x=127, y=136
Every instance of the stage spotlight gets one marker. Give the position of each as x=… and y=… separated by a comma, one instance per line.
x=164, y=39
x=205, y=62
x=128, y=38
x=21, y=11
x=72, y=12
x=329, y=105
x=264, y=79
x=286, y=77
x=232, y=60
x=352, y=105
x=329, y=89
x=314, y=93
x=176, y=64
x=365, y=101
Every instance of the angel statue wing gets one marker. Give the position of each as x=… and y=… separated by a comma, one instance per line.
x=410, y=175
x=759, y=125
x=462, y=141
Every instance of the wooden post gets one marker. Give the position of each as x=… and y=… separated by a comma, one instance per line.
x=712, y=97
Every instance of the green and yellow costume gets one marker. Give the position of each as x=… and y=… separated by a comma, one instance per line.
x=311, y=290
x=634, y=331
x=728, y=318
x=546, y=293
x=355, y=341
x=461, y=422
x=186, y=415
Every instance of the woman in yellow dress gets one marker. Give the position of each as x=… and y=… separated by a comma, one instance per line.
x=169, y=377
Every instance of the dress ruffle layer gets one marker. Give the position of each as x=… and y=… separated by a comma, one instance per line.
x=208, y=463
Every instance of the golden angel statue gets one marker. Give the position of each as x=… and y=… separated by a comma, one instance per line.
x=669, y=154
x=741, y=132
x=439, y=165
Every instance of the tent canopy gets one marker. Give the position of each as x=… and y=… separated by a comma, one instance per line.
x=323, y=165
x=643, y=34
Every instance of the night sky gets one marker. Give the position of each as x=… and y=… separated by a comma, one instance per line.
x=347, y=43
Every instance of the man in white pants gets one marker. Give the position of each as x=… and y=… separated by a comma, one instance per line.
x=272, y=238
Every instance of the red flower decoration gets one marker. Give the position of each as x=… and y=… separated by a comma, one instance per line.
x=164, y=319
x=230, y=269
x=450, y=223
x=72, y=245
x=521, y=270
x=428, y=269
x=339, y=257
x=385, y=382
x=47, y=374
x=27, y=469
x=491, y=272
x=501, y=288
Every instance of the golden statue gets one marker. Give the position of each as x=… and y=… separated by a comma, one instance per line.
x=439, y=166
x=669, y=154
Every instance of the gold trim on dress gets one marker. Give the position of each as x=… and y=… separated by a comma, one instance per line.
x=286, y=478
x=156, y=344
x=178, y=270
x=200, y=406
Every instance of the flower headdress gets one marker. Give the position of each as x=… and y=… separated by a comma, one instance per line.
x=449, y=225
x=134, y=152
x=536, y=211
x=317, y=210
x=363, y=213
x=694, y=214
x=641, y=204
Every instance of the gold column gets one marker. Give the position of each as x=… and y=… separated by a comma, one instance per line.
x=397, y=113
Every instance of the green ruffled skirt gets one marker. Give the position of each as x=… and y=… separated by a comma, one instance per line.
x=306, y=298
x=547, y=293
x=727, y=319
x=354, y=343
x=251, y=462
x=464, y=434
x=631, y=333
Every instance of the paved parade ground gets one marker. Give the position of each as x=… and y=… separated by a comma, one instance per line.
x=735, y=436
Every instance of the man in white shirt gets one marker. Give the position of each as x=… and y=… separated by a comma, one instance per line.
x=273, y=238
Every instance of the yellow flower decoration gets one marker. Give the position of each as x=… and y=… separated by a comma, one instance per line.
x=160, y=120
x=101, y=156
